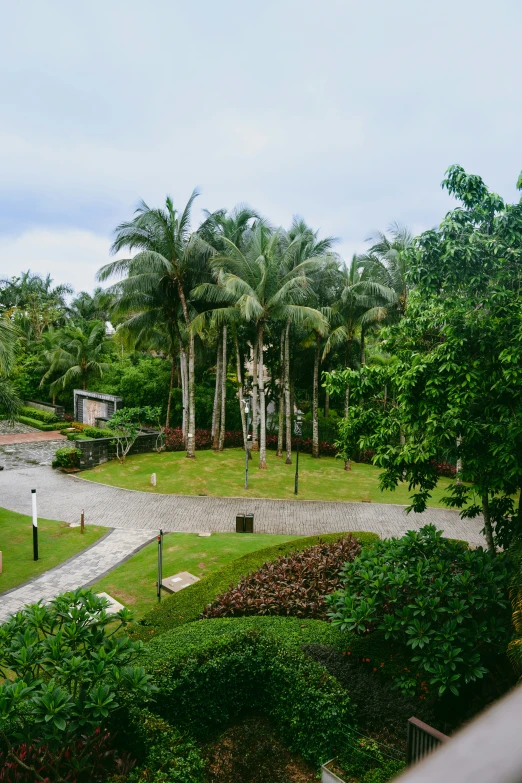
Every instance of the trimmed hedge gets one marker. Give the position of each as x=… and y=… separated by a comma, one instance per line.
x=211, y=673
x=39, y=425
x=46, y=417
x=187, y=605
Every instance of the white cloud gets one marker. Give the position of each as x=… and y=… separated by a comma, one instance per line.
x=69, y=256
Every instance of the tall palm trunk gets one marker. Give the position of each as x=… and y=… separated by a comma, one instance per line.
x=261, y=380
x=216, y=392
x=326, y=405
x=240, y=395
x=315, y=400
x=223, y=390
x=184, y=392
x=363, y=346
x=255, y=378
x=191, y=434
x=288, y=411
x=279, y=452
x=171, y=386
x=216, y=416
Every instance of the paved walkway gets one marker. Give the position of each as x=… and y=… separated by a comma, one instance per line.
x=23, y=446
x=63, y=497
x=85, y=567
x=31, y=437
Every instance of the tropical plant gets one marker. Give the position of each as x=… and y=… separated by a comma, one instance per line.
x=80, y=356
x=256, y=285
x=63, y=676
x=444, y=603
x=10, y=403
x=169, y=261
x=387, y=261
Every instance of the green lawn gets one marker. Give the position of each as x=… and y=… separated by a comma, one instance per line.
x=134, y=582
x=223, y=474
x=56, y=542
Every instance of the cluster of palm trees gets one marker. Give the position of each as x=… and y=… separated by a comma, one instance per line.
x=238, y=281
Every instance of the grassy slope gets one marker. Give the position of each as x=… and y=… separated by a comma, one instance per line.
x=134, y=582
x=187, y=605
x=56, y=542
x=223, y=475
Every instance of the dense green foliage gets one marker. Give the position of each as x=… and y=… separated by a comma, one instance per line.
x=187, y=605
x=66, y=458
x=446, y=604
x=453, y=390
x=62, y=675
x=205, y=685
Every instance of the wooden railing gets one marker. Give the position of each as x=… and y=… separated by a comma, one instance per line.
x=422, y=739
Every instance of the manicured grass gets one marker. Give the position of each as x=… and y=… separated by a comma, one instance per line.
x=134, y=582
x=56, y=542
x=223, y=475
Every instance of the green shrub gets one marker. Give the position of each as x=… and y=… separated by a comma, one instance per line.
x=164, y=754
x=39, y=425
x=96, y=432
x=208, y=674
x=34, y=413
x=187, y=605
x=445, y=605
x=67, y=458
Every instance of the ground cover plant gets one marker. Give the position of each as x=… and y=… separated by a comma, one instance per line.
x=63, y=676
x=133, y=583
x=446, y=606
x=223, y=474
x=56, y=542
x=294, y=585
x=187, y=605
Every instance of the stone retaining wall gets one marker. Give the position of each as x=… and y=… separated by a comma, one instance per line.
x=95, y=452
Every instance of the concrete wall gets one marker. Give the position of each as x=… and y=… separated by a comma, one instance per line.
x=113, y=402
x=95, y=452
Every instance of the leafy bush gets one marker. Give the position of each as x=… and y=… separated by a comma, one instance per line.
x=67, y=458
x=164, y=754
x=187, y=605
x=39, y=425
x=294, y=585
x=447, y=605
x=207, y=687
x=62, y=674
x=515, y=591
x=96, y=432
x=39, y=415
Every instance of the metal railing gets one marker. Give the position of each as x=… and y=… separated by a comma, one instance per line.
x=488, y=750
x=422, y=740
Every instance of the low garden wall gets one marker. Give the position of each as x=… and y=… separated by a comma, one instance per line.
x=95, y=452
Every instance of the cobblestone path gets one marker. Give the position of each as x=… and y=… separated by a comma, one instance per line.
x=79, y=570
x=21, y=445
x=63, y=497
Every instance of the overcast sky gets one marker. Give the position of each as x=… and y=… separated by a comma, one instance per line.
x=347, y=113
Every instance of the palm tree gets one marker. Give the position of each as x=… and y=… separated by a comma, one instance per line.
x=80, y=356
x=361, y=303
x=97, y=307
x=302, y=243
x=387, y=261
x=9, y=336
x=169, y=262
x=255, y=285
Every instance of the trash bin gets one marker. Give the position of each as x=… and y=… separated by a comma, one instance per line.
x=249, y=523
x=240, y=523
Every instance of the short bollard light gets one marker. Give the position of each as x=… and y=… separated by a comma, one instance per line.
x=35, y=526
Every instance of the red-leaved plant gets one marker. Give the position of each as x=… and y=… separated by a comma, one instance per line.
x=295, y=585
x=90, y=758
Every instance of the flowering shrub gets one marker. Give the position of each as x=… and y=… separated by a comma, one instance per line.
x=445, y=605
x=295, y=585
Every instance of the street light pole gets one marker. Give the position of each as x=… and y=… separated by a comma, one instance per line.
x=298, y=431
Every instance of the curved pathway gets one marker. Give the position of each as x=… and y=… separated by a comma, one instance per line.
x=63, y=497
x=80, y=570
